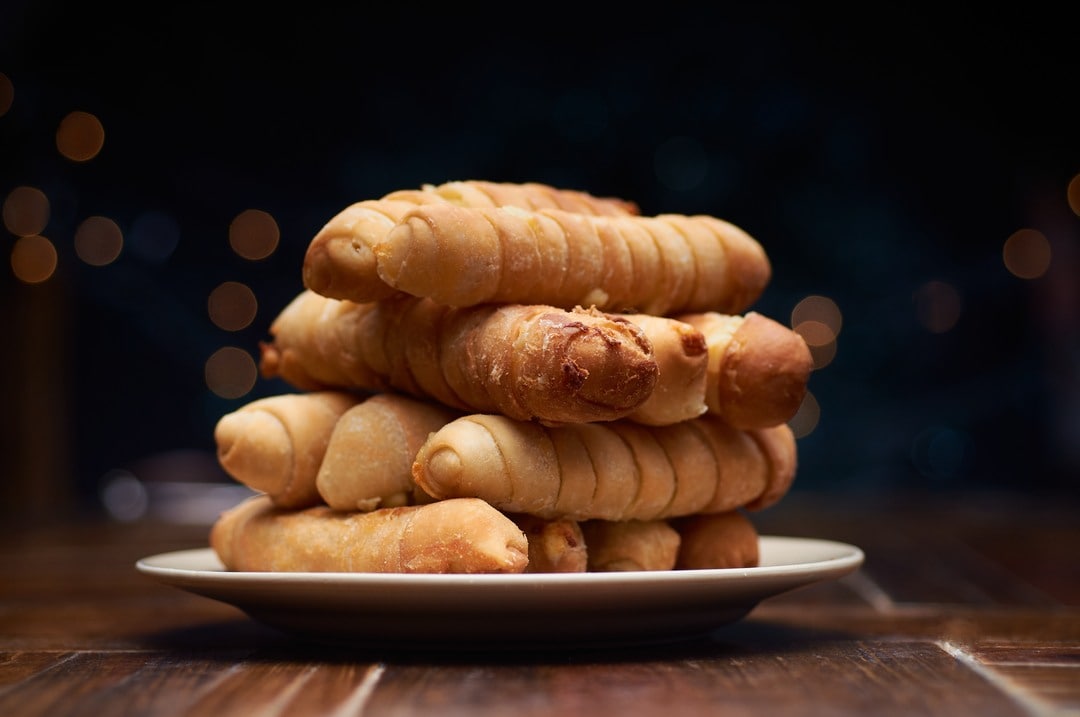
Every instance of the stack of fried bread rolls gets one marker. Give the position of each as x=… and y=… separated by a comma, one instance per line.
x=505, y=378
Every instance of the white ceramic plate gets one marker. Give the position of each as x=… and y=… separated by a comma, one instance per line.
x=500, y=611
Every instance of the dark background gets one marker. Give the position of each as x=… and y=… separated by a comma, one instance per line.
x=869, y=154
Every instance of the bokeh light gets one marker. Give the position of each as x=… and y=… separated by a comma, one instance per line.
x=80, y=136
x=232, y=306
x=806, y=419
x=821, y=309
x=821, y=341
x=33, y=259
x=26, y=211
x=98, y=241
x=254, y=234
x=231, y=372
x=123, y=496
x=816, y=333
x=938, y=306
x=154, y=236
x=1073, y=194
x=1026, y=254
x=818, y=320
x=7, y=94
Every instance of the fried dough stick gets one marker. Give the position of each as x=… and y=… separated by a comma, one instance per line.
x=276, y=444
x=617, y=470
x=758, y=369
x=682, y=358
x=616, y=546
x=716, y=540
x=654, y=265
x=340, y=261
x=555, y=546
x=454, y=536
x=368, y=459
x=523, y=361
x=526, y=195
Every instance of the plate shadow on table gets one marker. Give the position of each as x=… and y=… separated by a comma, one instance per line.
x=747, y=638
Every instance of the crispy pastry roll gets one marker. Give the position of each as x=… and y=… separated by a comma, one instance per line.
x=453, y=536
x=630, y=545
x=619, y=470
x=716, y=540
x=529, y=362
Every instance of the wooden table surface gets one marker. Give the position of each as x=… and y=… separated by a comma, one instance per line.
x=964, y=606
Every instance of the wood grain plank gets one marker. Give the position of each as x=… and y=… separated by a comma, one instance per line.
x=879, y=678
x=81, y=632
x=116, y=624
x=962, y=624
x=16, y=666
x=948, y=549
x=1048, y=672
x=863, y=677
x=342, y=688
x=76, y=686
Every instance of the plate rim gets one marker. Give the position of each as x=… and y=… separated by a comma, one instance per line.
x=520, y=611
x=849, y=558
